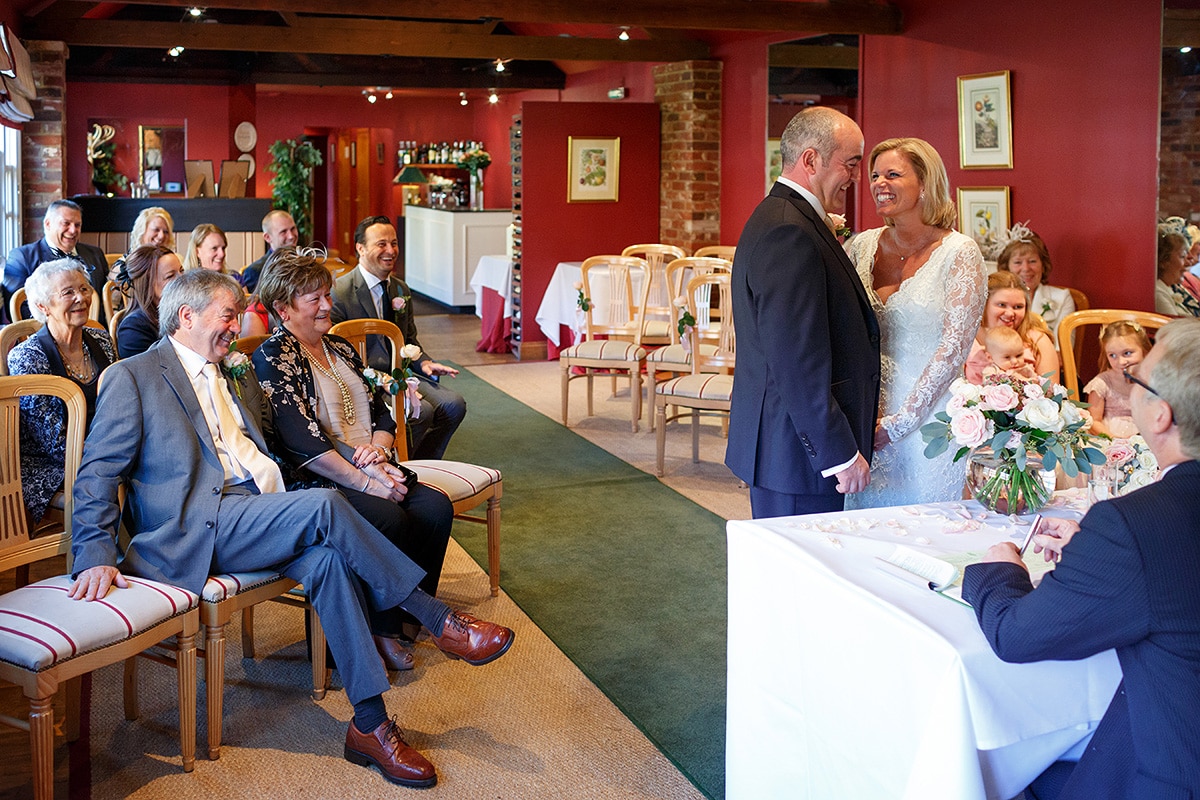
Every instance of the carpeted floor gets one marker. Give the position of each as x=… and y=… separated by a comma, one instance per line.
x=623, y=573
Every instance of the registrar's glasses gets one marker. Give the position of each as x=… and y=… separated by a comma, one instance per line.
x=1134, y=379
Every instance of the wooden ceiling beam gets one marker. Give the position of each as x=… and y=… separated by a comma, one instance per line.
x=359, y=37
x=817, y=16
x=1181, y=28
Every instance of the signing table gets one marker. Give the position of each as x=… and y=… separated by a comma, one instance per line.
x=845, y=681
x=492, y=282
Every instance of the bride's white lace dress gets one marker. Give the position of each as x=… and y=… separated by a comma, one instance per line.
x=926, y=329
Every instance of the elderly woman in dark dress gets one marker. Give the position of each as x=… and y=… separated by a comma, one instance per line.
x=335, y=431
x=148, y=269
x=60, y=295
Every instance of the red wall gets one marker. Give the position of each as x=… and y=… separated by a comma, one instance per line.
x=554, y=230
x=1085, y=122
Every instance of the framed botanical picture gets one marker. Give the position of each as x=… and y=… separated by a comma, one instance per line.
x=983, y=213
x=774, y=162
x=985, y=121
x=593, y=169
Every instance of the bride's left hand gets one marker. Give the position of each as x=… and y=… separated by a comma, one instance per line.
x=882, y=439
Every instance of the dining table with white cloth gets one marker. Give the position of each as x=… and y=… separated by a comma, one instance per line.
x=846, y=681
x=492, y=283
x=559, y=316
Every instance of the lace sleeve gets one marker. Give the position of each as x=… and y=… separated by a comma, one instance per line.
x=966, y=294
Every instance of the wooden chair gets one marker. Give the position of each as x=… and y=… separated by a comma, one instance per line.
x=248, y=344
x=710, y=386
x=1081, y=304
x=114, y=322
x=1068, y=345
x=675, y=357
x=113, y=258
x=657, y=313
x=724, y=251
x=113, y=300
x=466, y=485
x=48, y=640
x=13, y=334
x=613, y=334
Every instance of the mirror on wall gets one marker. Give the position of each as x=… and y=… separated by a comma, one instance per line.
x=162, y=150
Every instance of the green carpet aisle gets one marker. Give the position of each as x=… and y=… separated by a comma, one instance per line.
x=625, y=575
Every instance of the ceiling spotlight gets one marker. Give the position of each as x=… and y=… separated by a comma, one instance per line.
x=499, y=65
x=196, y=11
x=175, y=51
x=388, y=96
x=493, y=98
x=624, y=34
x=1185, y=49
x=462, y=98
x=371, y=98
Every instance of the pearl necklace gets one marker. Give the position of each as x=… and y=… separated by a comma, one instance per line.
x=87, y=369
x=331, y=373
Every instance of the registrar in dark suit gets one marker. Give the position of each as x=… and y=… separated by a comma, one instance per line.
x=1127, y=579
x=62, y=225
x=442, y=408
x=806, y=388
x=193, y=511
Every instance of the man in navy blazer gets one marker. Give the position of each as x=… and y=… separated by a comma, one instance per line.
x=806, y=389
x=371, y=291
x=172, y=425
x=62, y=225
x=1126, y=579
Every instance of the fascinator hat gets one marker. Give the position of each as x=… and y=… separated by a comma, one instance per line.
x=1021, y=235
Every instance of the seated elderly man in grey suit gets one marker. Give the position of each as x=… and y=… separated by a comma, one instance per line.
x=187, y=435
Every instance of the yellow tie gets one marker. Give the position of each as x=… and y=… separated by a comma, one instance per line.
x=248, y=460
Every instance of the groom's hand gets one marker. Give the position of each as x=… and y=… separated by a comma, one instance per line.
x=855, y=477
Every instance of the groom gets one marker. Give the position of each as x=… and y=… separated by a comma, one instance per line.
x=806, y=389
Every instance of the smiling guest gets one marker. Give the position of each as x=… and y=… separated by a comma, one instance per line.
x=1170, y=297
x=206, y=249
x=372, y=292
x=926, y=284
x=1007, y=305
x=62, y=227
x=279, y=231
x=60, y=296
x=1026, y=255
x=146, y=272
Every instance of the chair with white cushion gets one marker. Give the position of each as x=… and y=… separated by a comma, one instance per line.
x=466, y=485
x=48, y=640
x=710, y=386
x=613, y=330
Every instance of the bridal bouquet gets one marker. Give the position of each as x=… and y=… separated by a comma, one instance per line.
x=1014, y=429
x=1133, y=462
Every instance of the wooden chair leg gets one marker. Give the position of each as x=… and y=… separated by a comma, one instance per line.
x=635, y=392
x=566, y=385
x=214, y=679
x=74, y=697
x=130, y=688
x=41, y=745
x=248, y=632
x=590, y=386
x=651, y=383
x=185, y=666
x=317, y=633
x=695, y=436
x=493, y=538
x=660, y=440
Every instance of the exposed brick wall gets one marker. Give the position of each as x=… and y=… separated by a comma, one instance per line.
x=689, y=94
x=1179, y=148
x=44, y=150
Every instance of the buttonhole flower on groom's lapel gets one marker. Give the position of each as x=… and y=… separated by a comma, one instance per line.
x=398, y=303
x=236, y=365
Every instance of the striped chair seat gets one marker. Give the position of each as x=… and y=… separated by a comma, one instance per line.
x=468, y=485
x=40, y=626
x=699, y=387
x=606, y=349
x=674, y=354
x=657, y=329
x=223, y=587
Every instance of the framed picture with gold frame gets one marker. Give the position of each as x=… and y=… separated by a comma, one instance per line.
x=983, y=214
x=593, y=169
x=985, y=121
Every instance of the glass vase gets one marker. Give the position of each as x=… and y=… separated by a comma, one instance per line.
x=997, y=483
x=477, y=190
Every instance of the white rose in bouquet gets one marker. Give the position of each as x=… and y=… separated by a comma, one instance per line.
x=1042, y=413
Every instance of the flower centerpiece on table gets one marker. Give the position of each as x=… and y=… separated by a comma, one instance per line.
x=1133, y=462
x=475, y=160
x=1013, y=428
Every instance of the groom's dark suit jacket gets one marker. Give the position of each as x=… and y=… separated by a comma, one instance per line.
x=806, y=388
x=1130, y=580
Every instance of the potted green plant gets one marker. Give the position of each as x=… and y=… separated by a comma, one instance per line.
x=291, y=188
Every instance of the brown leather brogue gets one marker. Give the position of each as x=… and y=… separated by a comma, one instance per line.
x=475, y=641
x=396, y=655
x=384, y=748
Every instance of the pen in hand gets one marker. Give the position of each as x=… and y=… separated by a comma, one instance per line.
x=1033, y=528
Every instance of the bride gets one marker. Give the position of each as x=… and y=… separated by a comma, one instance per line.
x=926, y=284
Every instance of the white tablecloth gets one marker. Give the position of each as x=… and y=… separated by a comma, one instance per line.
x=495, y=273
x=561, y=301
x=846, y=682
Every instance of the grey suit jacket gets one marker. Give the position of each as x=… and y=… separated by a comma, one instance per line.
x=352, y=300
x=150, y=433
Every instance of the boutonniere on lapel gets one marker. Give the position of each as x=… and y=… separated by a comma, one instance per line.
x=841, y=231
x=1046, y=306
x=400, y=303
x=236, y=364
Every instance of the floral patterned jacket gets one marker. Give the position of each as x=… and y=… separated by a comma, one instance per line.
x=287, y=380
x=44, y=418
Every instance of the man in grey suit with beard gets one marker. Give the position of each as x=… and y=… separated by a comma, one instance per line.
x=188, y=436
x=806, y=389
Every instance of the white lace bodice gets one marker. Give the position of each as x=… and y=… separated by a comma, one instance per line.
x=927, y=328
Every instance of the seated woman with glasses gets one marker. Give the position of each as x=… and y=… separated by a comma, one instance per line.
x=336, y=431
x=60, y=295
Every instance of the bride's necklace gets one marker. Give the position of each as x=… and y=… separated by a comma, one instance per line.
x=915, y=251
x=331, y=373
x=82, y=369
